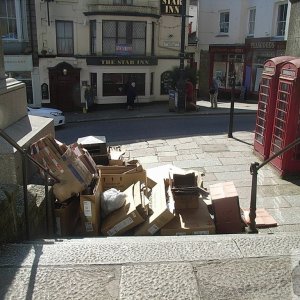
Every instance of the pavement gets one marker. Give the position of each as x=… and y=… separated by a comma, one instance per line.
x=157, y=109
x=215, y=267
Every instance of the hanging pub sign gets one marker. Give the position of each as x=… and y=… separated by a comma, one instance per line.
x=170, y=7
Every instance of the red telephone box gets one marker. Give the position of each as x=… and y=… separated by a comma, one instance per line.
x=266, y=105
x=287, y=119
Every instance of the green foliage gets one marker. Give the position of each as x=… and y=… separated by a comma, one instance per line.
x=189, y=73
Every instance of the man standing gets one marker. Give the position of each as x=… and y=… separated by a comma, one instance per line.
x=131, y=95
x=213, y=93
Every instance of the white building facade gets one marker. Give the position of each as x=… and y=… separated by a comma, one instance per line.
x=238, y=36
x=15, y=30
x=104, y=44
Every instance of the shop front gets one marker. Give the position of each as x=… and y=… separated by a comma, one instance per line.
x=109, y=77
x=258, y=50
x=226, y=60
x=20, y=67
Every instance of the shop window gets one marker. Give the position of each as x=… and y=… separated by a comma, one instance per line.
x=281, y=19
x=13, y=21
x=25, y=77
x=220, y=73
x=225, y=65
x=93, y=77
x=251, y=24
x=93, y=37
x=124, y=38
x=115, y=84
x=64, y=38
x=224, y=22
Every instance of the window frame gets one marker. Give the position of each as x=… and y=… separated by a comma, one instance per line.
x=129, y=37
x=93, y=37
x=251, y=21
x=118, y=88
x=20, y=21
x=280, y=21
x=57, y=37
x=224, y=22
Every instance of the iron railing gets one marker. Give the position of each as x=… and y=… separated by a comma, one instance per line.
x=47, y=174
x=255, y=166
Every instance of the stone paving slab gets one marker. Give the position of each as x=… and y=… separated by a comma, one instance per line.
x=60, y=282
x=258, y=278
x=268, y=245
x=159, y=281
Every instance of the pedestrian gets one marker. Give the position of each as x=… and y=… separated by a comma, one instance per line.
x=89, y=99
x=131, y=95
x=189, y=93
x=213, y=93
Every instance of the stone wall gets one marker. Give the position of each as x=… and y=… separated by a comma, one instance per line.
x=293, y=40
x=12, y=221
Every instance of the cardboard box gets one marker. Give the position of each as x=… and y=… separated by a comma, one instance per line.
x=74, y=179
x=185, y=192
x=90, y=207
x=121, y=177
x=116, y=162
x=162, y=212
x=67, y=167
x=190, y=222
x=85, y=157
x=163, y=172
x=187, y=200
x=66, y=216
x=100, y=159
x=227, y=212
x=140, y=199
x=124, y=218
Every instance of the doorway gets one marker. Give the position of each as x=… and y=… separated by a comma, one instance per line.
x=64, y=81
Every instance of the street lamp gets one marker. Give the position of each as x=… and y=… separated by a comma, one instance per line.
x=232, y=83
x=181, y=90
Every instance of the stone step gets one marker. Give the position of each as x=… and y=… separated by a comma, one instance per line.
x=187, y=267
x=122, y=250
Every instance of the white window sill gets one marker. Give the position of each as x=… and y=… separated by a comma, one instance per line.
x=222, y=34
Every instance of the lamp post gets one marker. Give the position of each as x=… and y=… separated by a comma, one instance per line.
x=232, y=81
x=181, y=90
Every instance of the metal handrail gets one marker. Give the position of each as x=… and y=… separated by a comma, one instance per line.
x=255, y=166
x=47, y=172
